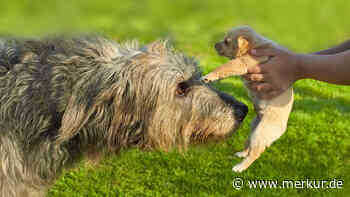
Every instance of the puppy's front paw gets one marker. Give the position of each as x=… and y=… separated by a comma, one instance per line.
x=239, y=167
x=242, y=154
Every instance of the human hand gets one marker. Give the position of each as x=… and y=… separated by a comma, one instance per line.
x=272, y=78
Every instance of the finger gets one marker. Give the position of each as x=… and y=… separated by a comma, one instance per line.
x=254, y=69
x=264, y=87
x=264, y=67
x=252, y=85
x=261, y=88
x=256, y=77
x=265, y=52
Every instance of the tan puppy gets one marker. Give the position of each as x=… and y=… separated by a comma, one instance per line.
x=271, y=115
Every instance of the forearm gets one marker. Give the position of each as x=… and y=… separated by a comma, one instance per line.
x=328, y=68
x=337, y=49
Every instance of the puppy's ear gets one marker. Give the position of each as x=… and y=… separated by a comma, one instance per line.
x=243, y=46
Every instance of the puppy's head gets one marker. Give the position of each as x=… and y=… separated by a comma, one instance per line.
x=238, y=41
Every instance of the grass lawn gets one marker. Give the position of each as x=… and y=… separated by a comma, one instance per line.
x=316, y=145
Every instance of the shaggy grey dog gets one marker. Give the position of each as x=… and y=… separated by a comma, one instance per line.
x=63, y=98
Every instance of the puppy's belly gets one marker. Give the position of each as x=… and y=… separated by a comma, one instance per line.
x=275, y=110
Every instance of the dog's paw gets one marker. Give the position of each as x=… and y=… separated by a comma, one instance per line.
x=242, y=154
x=239, y=168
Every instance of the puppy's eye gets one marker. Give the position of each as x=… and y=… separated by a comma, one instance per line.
x=227, y=41
x=182, y=89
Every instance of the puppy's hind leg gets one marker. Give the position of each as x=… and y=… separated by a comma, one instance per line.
x=244, y=153
x=262, y=137
x=254, y=153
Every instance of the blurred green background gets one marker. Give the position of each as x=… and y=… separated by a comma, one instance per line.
x=316, y=145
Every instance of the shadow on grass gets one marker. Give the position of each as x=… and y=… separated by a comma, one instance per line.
x=313, y=100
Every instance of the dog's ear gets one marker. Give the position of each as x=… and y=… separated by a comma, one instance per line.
x=74, y=118
x=159, y=47
x=79, y=112
x=243, y=46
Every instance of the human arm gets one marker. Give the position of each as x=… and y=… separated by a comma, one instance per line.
x=285, y=67
x=333, y=50
x=328, y=68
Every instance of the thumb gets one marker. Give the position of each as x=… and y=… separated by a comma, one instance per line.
x=264, y=52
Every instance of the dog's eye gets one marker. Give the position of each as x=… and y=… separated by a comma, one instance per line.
x=182, y=89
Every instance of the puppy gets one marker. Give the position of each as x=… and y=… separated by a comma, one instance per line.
x=271, y=115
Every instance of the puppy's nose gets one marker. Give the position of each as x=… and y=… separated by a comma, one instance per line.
x=218, y=46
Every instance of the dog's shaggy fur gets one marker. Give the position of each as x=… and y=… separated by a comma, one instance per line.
x=62, y=98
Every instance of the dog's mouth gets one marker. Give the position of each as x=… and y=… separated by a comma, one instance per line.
x=200, y=136
x=219, y=48
x=240, y=109
x=221, y=53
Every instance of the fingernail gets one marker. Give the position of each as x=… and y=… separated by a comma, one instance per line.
x=253, y=51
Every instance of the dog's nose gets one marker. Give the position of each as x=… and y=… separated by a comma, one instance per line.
x=241, y=111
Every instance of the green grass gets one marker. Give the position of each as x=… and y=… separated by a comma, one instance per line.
x=317, y=142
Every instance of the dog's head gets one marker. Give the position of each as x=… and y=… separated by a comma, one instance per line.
x=150, y=97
